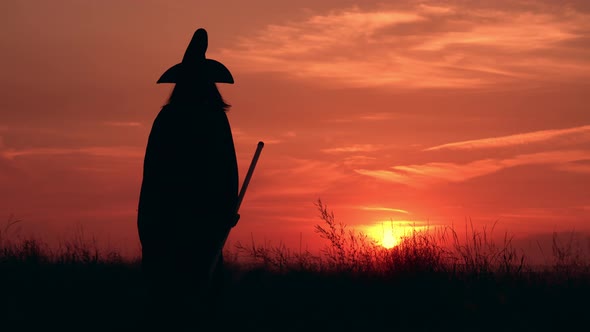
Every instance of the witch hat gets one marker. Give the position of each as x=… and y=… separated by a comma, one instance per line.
x=194, y=65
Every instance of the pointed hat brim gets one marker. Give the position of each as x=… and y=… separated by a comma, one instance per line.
x=211, y=70
x=195, y=66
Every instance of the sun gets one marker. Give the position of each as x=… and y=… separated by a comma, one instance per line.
x=388, y=240
x=389, y=234
x=385, y=235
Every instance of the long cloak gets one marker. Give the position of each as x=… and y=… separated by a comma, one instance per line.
x=189, y=189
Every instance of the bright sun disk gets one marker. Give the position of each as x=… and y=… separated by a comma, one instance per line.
x=388, y=240
x=388, y=234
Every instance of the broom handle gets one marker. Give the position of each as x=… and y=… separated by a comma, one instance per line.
x=240, y=198
x=249, y=174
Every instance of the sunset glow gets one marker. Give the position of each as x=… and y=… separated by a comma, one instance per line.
x=405, y=110
x=388, y=234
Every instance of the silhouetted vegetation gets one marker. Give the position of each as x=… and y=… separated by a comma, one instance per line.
x=432, y=280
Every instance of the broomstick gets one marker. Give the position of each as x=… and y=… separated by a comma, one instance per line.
x=219, y=248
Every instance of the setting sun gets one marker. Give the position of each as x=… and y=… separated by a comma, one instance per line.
x=388, y=241
x=388, y=234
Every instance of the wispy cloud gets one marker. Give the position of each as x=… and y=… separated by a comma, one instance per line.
x=381, y=208
x=424, y=46
x=534, y=214
x=581, y=133
x=358, y=160
x=119, y=152
x=241, y=136
x=123, y=124
x=367, y=117
x=429, y=173
x=354, y=148
x=298, y=177
x=581, y=166
x=379, y=116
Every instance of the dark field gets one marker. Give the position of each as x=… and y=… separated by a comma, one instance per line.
x=352, y=286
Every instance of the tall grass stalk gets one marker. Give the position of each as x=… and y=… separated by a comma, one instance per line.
x=435, y=250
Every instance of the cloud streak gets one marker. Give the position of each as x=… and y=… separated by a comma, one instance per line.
x=583, y=166
x=581, y=133
x=117, y=152
x=381, y=208
x=354, y=148
x=241, y=136
x=422, y=175
x=123, y=124
x=298, y=177
x=424, y=46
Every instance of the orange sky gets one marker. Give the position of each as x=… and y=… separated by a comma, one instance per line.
x=423, y=112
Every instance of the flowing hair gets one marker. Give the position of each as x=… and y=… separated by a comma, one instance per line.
x=203, y=93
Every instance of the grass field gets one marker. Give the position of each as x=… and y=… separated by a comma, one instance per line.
x=431, y=281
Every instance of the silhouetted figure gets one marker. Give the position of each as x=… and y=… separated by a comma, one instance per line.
x=189, y=190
